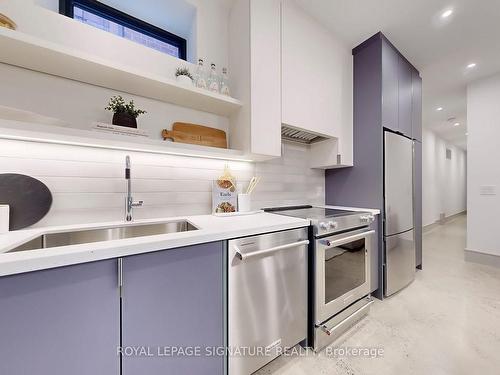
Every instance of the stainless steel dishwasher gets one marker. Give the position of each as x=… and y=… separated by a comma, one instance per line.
x=267, y=297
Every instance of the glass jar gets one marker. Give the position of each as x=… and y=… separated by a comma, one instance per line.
x=224, y=83
x=200, y=77
x=213, y=80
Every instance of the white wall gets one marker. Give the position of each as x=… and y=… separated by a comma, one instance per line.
x=444, y=181
x=81, y=104
x=175, y=16
x=88, y=184
x=483, y=121
x=38, y=18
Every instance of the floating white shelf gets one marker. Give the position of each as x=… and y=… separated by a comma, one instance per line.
x=33, y=53
x=40, y=133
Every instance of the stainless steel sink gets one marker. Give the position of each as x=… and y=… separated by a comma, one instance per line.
x=104, y=234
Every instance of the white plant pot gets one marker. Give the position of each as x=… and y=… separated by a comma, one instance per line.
x=184, y=80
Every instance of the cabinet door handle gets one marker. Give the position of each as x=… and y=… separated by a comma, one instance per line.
x=120, y=276
x=244, y=256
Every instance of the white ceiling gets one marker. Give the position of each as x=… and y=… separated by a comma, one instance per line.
x=440, y=49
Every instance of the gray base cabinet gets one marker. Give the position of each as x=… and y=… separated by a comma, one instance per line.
x=72, y=320
x=61, y=321
x=173, y=298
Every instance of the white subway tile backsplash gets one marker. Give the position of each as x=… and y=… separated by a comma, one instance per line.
x=88, y=184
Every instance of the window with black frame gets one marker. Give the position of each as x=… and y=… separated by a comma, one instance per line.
x=104, y=17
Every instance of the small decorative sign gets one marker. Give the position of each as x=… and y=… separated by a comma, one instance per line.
x=224, y=196
x=120, y=130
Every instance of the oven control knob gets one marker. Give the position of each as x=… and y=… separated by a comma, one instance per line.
x=333, y=224
x=323, y=226
x=367, y=219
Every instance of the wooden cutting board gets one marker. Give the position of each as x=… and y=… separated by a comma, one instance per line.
x=196, y=134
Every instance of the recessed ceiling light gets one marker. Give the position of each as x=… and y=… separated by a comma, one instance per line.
x=471, y=65
x=466, y=134
x=447, y=13
x=456, y=124
x=439, y=108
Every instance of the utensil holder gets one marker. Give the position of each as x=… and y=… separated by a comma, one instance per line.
x=244, y=202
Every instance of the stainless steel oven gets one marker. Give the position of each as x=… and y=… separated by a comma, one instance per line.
x=341, y=253
x=342, y=271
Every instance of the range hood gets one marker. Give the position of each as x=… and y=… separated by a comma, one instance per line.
x=295, y=135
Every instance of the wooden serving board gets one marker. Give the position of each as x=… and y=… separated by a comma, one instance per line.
x=196, y=134
x=7, y=22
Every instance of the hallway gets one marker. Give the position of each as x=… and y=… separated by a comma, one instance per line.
x=446, y=322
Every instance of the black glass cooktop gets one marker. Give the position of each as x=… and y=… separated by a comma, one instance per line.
x=309, y=212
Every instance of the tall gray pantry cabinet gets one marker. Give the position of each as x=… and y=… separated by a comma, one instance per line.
x=387, y=97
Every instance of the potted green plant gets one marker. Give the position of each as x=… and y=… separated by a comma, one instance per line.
x=184, y=77
x=124, y=114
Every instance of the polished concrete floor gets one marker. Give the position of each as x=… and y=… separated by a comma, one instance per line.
x=446, y=322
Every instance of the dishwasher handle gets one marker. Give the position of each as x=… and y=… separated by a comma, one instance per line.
x=244, y=256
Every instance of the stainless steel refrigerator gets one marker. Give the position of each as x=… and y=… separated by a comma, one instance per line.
x=399, y=233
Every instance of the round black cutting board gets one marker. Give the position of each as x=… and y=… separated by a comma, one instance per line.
x=28, y=198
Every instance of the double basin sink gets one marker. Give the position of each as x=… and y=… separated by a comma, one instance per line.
x=104, y=234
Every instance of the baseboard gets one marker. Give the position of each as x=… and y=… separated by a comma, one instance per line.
x=451, y=217
x=428, y=228
x=482, y=258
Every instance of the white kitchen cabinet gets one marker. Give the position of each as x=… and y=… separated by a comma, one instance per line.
x=332, y=153
x=316, y=79
x=288, y=69
x=255, y=68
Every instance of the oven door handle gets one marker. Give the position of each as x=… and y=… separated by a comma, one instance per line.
x=244, y=256
x=354, y=237
x=330, y=331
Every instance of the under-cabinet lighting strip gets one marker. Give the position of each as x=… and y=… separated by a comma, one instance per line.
x=120, y=148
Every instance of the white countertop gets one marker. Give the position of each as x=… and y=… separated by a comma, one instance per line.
x=210, y=229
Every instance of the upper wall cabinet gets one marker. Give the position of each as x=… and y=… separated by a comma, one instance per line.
x=316, y=75
x=401, y=93
x=416, y=117
x=255, y=64
x=390, y=87
x=405, y=96
x=287, y=69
